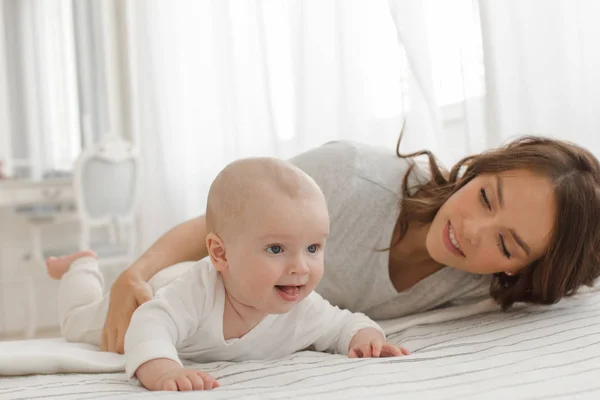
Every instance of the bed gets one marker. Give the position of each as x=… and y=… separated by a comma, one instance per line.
x=463, y=352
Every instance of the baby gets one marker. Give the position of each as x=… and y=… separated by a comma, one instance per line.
x=267, y=225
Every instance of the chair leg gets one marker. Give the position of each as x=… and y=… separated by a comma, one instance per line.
x=31, y=327
x=37, y=256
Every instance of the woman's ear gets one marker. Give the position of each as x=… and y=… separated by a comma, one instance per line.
x=216, y=251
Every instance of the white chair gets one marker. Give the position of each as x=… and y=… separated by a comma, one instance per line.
x=106, y=186
x=106, y=183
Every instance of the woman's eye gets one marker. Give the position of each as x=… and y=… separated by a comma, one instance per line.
x=484, y=199
x=503, y=248
x=312, y=248
x=274, y=249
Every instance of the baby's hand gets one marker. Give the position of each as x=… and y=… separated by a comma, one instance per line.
x=369, y=342
x=182, y=379
x=376, y=348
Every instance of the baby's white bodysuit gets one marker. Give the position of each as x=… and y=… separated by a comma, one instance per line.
x=185, y=321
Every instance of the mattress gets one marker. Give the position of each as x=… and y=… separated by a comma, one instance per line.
x=467, y=352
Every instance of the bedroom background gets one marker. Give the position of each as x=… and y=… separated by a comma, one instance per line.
x=195, y=84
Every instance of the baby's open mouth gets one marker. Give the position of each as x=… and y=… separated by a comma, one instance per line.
x=289, y=292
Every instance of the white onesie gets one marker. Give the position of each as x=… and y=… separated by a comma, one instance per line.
x=185, y=321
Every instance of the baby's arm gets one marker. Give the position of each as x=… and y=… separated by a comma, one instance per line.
x=158, y=328
x=344, y=332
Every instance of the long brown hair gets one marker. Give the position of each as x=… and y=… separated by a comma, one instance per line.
x=573, y=255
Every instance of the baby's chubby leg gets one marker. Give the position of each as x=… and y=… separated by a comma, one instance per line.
x=82, y=305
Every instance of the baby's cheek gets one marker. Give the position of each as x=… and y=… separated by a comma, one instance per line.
x=266, y=277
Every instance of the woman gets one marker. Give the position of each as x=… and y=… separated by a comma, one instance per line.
x=518, y=223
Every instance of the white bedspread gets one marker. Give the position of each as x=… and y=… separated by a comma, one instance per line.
x=458, y=353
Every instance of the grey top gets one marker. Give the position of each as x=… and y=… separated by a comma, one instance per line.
x=363, y=188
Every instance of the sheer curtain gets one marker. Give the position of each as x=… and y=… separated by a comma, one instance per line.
x=39, y=106
x=542, y=61
x=212, y=81
x=217, y=80
x=445, y=110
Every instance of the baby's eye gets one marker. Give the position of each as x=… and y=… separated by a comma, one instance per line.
x=274, y=249
x=312, y=248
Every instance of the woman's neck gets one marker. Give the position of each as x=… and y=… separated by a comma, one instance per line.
x=409, y=260
x=412, y=247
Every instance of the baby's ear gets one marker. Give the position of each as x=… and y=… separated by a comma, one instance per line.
x=216, y=251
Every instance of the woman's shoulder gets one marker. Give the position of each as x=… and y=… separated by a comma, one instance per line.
x=343, y=160
x=329, y=158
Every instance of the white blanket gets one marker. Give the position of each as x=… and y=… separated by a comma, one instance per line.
x=54, y=356
x=461, y=352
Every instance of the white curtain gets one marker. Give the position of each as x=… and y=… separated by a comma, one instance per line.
x=445, y=91
x=542, y=60
x=218, y=80
x=39, y=109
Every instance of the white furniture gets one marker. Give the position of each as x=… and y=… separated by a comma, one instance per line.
x=21, y=192
x=106, y=186
x=40, y=200
x=101, y=198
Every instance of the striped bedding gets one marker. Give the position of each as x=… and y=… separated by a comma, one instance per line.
x=464, y=352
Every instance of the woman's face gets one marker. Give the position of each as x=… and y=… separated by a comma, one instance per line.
x=495, y=223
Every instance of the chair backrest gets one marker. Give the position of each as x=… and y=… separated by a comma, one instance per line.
x=106, y=181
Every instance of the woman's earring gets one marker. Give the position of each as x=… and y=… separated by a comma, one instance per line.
x=508, y=273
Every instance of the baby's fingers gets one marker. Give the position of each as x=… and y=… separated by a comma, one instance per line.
x=168, y=385
x=209, y=381
x=375, y=348
x=184, y=384
x=389, y=350
x=197, y=381
x=353, y=353
x=362, y=351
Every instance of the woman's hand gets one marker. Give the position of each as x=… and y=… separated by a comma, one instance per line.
x=127, y=293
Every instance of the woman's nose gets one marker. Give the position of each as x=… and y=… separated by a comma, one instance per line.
x=474, y=229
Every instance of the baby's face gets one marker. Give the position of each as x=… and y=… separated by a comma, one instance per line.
x=277, y=259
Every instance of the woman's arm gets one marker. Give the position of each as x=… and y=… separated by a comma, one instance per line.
x=185, y=242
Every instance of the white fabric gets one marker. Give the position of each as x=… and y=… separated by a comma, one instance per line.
x=82, y=304
x=542, y=66
x=363, y=188
x=37, y=59
x=458, y=353
x=444, y=107
x=214, y=81
x=55, y=356
x=185, y=320
x=83, y=299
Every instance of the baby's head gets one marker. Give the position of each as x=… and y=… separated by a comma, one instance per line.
x=267, y=224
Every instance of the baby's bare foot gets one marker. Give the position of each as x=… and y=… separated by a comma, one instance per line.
x=57, y=266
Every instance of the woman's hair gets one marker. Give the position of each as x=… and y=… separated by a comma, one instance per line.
x=573, y=255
